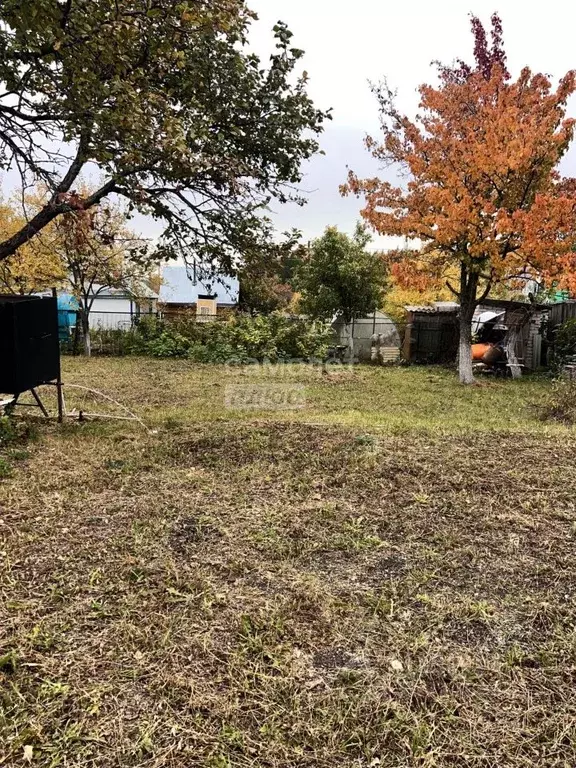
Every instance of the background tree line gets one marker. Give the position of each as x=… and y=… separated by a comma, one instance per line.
x=186, y=125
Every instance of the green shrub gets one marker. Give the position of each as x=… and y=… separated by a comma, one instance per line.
x=149, y=327
x=217, y=352
x=277, y=337
x=7, y=431
x=168, y=344
x=564, y=344
x=134, y=341
x=16, y=432
x=239, y=339
x=561, y=405
x=112, y=341
x=13, y=433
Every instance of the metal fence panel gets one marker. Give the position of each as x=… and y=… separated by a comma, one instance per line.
x=112, y=320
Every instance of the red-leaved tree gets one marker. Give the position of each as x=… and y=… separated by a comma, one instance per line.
x=483, y=194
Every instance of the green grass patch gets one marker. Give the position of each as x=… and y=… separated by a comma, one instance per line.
x=179, y=392
x=382, y=578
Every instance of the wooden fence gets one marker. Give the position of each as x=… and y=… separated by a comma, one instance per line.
x=559, y=313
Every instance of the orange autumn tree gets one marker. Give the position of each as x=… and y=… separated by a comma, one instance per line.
x=483, y=194
x=32, y=268
x=411, y=283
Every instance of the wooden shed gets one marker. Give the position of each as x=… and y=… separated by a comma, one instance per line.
x=528, y=320
x=432, y=332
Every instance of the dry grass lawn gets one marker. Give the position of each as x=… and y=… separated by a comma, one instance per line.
x=383, y=578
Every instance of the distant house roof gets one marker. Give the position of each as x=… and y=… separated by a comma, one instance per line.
x=417, y=308
x=178, y=288
x=140, y=291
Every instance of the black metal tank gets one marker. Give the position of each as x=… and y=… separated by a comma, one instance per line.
x=29, y=347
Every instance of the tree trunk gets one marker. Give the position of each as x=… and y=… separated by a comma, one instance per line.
x=351, y=344
x=465, y=349
x=350, y=350
x=85, y=320
x=468, y=303
x=76, y=341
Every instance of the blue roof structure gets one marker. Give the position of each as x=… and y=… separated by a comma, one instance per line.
x=67, y=303
x=67, y=307
x=178, y=288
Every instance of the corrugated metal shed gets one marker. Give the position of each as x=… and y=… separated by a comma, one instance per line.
x=363, y=329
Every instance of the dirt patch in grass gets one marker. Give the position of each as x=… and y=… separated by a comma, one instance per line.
x=284, y=595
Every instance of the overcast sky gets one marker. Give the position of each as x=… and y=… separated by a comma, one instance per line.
x=351, y=42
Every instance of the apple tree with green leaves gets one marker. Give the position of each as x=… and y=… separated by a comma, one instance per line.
x=342, y=278
x=166, y=101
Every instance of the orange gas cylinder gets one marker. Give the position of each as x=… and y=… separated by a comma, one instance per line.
x=493, y=355
x=479, y=350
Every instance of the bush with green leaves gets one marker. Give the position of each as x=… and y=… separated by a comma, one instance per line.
x=277, y=337
x=564, y=345
x=217, y=352
x=239, y=339
x=13, y=435
x=168, y=344
x=7, y=431
x=561, y=405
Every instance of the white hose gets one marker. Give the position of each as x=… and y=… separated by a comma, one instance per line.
x=110, y=399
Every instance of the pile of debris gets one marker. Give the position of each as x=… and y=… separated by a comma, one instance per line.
x=498, y=334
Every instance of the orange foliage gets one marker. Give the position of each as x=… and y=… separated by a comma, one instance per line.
x=33, y=267
x=483, y=193
x=412, y=281
x=410, y=273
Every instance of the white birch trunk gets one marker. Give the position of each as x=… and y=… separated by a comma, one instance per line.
x=465, y=371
